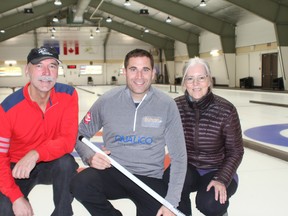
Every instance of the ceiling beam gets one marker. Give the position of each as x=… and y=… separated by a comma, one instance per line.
x=164, y=43
x=272, y=11
x=29, y=26
x=9, y=5
x=39, y=11
x=225, y=30
x=170, y=31
x=190, y=15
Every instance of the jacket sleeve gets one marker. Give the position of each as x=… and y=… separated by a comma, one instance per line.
x=234, y=149
x=174, y=137
x=7, y=183
x=89, y=125
x=66, y=138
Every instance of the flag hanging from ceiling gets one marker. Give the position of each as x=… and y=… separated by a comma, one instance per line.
x=71, y=47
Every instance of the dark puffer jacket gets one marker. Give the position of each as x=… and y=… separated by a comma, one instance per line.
x=213, y=134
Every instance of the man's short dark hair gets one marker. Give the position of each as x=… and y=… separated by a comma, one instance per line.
x=138, y=53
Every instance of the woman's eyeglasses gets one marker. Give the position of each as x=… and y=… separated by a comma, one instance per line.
x=199, y=79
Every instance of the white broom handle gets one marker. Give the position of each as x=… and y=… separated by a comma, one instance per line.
x=133, y=178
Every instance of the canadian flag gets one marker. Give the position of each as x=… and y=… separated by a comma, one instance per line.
x=71, y=47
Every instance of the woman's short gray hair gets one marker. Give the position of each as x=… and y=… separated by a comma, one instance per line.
x=194, y=61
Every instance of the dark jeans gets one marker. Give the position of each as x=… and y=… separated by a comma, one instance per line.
x=205, y=200
x=93, y=188
x=58, y=173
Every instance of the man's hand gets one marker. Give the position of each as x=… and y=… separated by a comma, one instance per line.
x=100, y=161
x=220, y=191
x=163, y=211
x=24, y=166
x=21, y=207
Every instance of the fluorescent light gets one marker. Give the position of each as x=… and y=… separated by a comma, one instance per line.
x=168, y=20
x=55, y=19
x=203, y=3
x=214, y=52
x=57, y=2
x=10, y=62
x=108, y=19
x=127, y=3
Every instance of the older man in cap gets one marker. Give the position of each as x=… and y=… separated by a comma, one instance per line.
x=38, y=129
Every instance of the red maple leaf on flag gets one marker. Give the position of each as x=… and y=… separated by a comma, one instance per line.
x=70, y=47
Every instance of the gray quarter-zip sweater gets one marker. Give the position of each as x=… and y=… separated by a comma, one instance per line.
x=137, y=136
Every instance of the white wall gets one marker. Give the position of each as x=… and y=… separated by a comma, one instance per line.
x=218, y=69
x=255, y=31
x=209, y=41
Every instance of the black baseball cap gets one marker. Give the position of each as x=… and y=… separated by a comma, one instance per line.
x=38, y=54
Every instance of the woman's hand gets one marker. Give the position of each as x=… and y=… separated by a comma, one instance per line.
x=220, y=191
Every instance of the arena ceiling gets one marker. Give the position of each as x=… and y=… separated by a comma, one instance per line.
x=188, y=19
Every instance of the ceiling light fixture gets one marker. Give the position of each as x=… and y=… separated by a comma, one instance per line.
x=10, y=62
x=203, y=3
x=53, y=30
x=144, y=12
x=2, y=31
x=28, y=11
x=214, y=52
x=98, y=27
x=91, y=34
x=109, y=20
x=146, y=30
x=55, y=19
x=127, y=3
x=57, y=2
x=168, y=20
x=52, y=36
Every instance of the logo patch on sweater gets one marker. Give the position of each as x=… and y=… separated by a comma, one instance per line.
x=133, y=139
x=87, y=118
x=151, y=121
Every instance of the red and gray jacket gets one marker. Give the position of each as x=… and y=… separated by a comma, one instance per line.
x=24, y=127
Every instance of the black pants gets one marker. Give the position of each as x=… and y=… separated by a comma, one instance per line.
x=205, y=200
x=93, y=188
x=58, y=173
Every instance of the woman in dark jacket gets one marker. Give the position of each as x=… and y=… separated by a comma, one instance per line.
x=213, y=141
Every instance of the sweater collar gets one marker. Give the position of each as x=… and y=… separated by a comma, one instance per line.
x=148, y=94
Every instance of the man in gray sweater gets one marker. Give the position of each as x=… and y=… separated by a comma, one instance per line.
x=138, y=121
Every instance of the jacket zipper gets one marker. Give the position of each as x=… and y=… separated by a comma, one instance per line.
x=135, y=115
x=197, y=117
